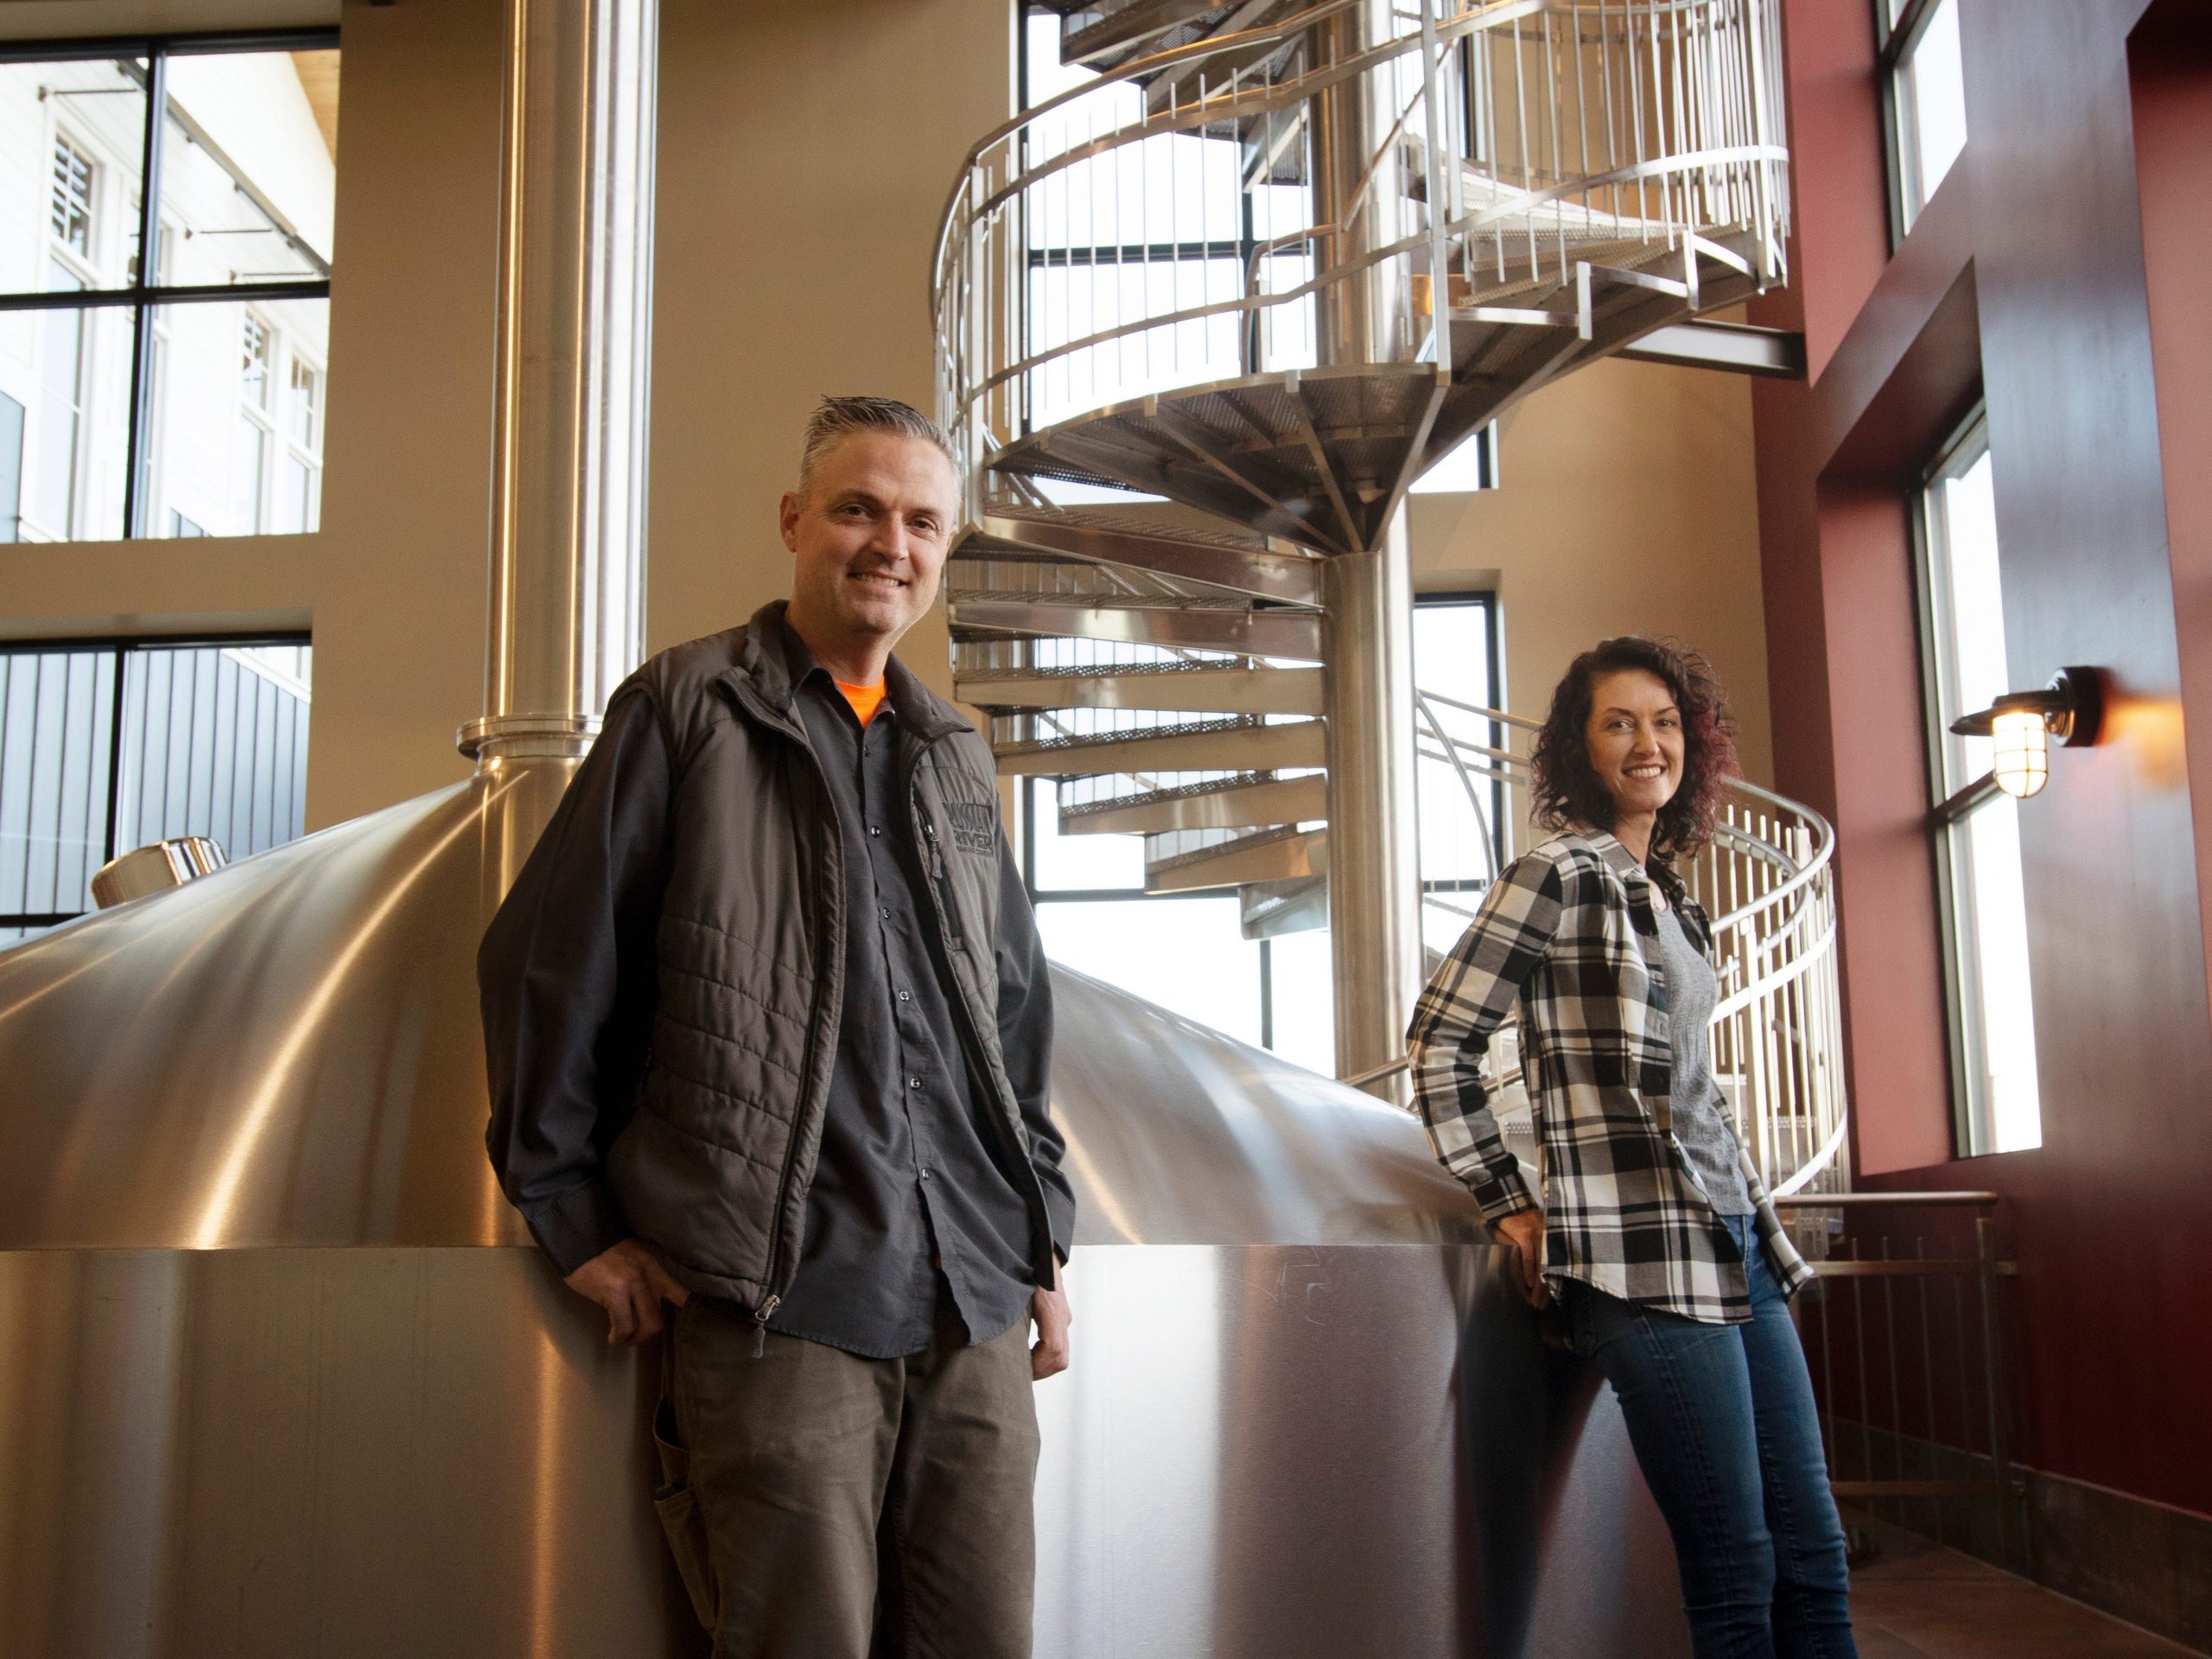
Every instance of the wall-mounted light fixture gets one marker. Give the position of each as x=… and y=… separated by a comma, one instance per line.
x=2020, y=724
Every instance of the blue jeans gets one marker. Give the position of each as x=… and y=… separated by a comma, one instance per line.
x=1723, y=1423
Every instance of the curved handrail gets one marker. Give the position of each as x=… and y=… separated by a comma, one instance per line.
x=1823, y=832
x=1698, y=131
x=1478, y=15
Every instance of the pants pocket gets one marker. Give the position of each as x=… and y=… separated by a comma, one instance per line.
x=677, y=1505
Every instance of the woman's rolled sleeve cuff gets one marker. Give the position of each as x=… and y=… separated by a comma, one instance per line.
x=1500, y=1196
x=573, y=1226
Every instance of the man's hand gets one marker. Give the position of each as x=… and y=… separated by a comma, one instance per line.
x=1523, y=1233
x=1048, y=1355
x=628, y=1280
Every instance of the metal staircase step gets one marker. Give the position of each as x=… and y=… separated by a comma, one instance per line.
x=1179, y=83
x=1249, y=801
x=1320, y=457
x=1194, y=624
x=1323, y=457
x=1179, y=690
x=1134, y=24
x=1270, y=909
x=1200, y=745
x=1255, y=570
x=1266, y=856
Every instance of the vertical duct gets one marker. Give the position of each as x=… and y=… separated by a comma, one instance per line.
x=574, y=325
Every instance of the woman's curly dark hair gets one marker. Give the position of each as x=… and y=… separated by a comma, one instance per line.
x=1567, y=788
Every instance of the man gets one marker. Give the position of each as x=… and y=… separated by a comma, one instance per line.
x=768, y=1029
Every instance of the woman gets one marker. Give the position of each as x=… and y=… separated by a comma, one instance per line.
x=1652, y=1230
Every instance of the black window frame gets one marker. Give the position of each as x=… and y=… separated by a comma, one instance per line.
x=147, y=297
x=1951, y=807
x=1894, y=45
x=121, y=647
x=1493, y=698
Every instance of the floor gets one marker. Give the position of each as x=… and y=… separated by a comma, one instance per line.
x=1918, y=1601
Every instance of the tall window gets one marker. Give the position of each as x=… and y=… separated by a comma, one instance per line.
x=107, y=747
x=222, y=153
x=1924, y=78
x=1185, y=951
x=1465, y=836
x=11, y=466
x=1976, y=827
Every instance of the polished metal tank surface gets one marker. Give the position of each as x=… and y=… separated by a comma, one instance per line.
x=1306, y=1416
x=285, y=1052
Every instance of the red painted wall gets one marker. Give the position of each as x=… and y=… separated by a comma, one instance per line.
x=2023, y=281
x=2170, y=57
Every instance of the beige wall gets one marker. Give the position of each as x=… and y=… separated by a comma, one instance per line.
x=1627, y=507
x=805, y=152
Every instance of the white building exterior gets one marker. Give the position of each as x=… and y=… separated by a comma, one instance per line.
x=236, y=390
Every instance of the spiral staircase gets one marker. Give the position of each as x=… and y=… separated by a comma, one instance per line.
x=1204, y=314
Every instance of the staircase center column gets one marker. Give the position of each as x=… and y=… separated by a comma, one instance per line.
x=1367, y=630
x=1374, y=874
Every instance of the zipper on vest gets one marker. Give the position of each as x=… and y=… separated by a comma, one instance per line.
x=940, y=875
x=771, y=1298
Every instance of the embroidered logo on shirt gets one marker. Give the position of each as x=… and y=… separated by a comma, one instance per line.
x=974, y=824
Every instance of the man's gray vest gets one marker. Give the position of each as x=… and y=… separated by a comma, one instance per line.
x=713, y=1168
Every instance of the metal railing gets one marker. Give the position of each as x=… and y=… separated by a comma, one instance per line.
x=1131, y=234
x=1766, y=883
x=1905, y=1333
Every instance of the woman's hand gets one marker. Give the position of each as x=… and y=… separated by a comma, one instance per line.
x=1523, y=1232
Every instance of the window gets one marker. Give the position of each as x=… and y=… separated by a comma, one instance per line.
x=1188, y=952
x=299, y=497
x=223, y=149
x=1976, y=828
x=1143, y=231
x=1463, y=835
x=11, y=466
x=107, y=747
x=1924, y=73
x=249, y=448
x=72, y=196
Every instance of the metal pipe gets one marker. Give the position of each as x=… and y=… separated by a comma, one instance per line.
x=1374, y=896
x=1348, y=126
x=573, y=322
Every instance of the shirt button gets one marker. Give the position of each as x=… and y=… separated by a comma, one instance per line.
x=926, y=1172
x=913, y=1083
x=905, y=996
x=875, y=830
x=885, y=913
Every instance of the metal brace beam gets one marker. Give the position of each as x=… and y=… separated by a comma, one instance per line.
x=1737, y=348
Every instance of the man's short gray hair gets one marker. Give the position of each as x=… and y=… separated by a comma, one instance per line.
x=836, y=419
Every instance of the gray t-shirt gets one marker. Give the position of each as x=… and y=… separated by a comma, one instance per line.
x=1701, y=1120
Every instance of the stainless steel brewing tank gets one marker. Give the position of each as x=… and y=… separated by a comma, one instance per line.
x=280, y=1373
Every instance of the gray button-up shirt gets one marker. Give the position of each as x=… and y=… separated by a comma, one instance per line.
x=915, y=1177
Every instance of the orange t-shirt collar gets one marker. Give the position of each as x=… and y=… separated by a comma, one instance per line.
x=865, y=699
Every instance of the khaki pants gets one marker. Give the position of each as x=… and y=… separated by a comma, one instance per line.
x=856, y=1507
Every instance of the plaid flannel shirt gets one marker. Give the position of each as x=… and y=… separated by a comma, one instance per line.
x=1568, y=931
